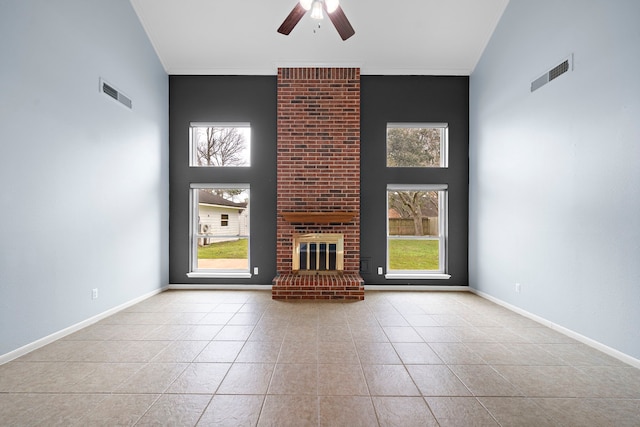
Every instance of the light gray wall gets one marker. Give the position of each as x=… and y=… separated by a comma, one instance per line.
x=555, y=174
x=83, y=180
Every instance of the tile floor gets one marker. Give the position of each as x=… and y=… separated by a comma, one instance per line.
x=237, y=358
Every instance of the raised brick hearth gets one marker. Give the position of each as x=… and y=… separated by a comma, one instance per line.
x=318, y=175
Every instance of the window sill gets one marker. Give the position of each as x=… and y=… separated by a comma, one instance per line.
x=221, y=275
x=423, y=276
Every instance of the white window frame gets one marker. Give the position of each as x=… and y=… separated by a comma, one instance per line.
x=443, y=230
x=194, y=235
x=444, y=142
x=193, y=160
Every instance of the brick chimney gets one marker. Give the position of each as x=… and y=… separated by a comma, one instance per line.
x=318, y=184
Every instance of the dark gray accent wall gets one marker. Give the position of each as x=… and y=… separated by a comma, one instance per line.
x=253, y=99
x=387, y=99
x=224, y=99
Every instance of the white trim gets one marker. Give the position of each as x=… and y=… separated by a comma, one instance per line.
x=417, y=187
x=412, y=125
x=561, y=329
x=220, y=287
x=220, y=124
x=225, y=186
x=7, y=357
x=421, y=288
x=218, y=274
x=424, y=276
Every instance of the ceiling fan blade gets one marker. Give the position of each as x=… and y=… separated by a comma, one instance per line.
x=342, y=24
x=292, y=20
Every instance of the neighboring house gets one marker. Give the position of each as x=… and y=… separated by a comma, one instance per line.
x=220, y=218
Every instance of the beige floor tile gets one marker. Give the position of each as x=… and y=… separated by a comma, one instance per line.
x=201, y=332
x=119, y=410
x=200, y=378
x=436, y=334
x=234, y=333
x=368, y=333
x=456, y=354
x=20, y=408
x=245, y=319
x=298, y=379
x=573, y=412
x=152, y=378
x=298, y=352
x=403, y=412
x=333, y=333
x=180, y=351
x=247, y=378
x=377, y=353
x=153, y=364
x=167, y=332
x=102, y=377
x=610, y=382
x=517, y=412
x=347, y=411
x=269, y=331
x=220, y=351
x=544, y=381
x=402, y=334
x=289, y=411
x=60, y=410
x=437, y=380
x=460, y=412
x=259, y=352
x=483, y=380
x=175, y=410
x=341, y=380
x=389, y=380
x=337, y=352
x=416, y=353
x=232, y=411
x=215, y=319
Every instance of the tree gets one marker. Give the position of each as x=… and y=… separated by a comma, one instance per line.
x=220, y=146
x=413, y=147
x=415, y=205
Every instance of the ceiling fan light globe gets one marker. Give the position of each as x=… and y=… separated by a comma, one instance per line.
x=331, y=5
x=316, y=10
x=306, y=4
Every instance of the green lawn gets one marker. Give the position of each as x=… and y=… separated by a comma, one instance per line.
x=413, y=254
x=236, y=249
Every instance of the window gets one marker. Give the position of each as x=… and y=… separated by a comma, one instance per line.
x=219, y=230
x=423, y=145
x=416, y=231
x=220, y=144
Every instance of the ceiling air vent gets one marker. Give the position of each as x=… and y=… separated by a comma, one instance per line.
x=555, y=72
x=114, y=93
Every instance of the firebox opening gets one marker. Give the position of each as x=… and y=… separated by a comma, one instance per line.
x=318, y=253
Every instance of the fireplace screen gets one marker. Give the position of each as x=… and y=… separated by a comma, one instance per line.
x=319, y=252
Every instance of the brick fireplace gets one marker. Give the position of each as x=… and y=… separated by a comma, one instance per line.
x=318, y=184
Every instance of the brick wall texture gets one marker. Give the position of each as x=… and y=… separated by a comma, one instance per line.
x=318, y=155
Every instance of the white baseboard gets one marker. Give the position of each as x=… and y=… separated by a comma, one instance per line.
x=221, y=287
x=415, y=288
x=565, y=331
x=7, y=357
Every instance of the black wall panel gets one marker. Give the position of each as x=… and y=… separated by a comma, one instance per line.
x=254, y=99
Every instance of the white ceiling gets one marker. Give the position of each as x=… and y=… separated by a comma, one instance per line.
x=393, y=37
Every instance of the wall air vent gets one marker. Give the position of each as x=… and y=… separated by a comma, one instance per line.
x=114, y=93
x=555, y=72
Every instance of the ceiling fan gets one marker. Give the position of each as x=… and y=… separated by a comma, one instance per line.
x=333, y=9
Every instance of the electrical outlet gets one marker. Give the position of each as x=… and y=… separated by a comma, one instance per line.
x=94, y=293
x=255, y=270
x=518, y=288
x=380, y=271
